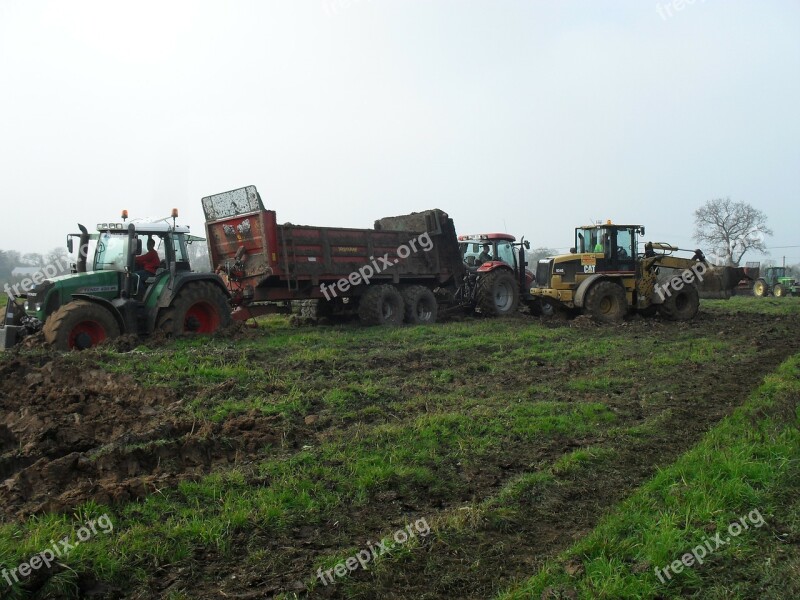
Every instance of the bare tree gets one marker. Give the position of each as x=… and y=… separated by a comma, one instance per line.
x=536, y=254
x=730, y=229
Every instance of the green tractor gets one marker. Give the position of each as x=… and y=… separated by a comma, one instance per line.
x=113, y=295
x=775, y=281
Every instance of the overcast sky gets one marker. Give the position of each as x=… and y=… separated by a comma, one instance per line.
x=528, y=116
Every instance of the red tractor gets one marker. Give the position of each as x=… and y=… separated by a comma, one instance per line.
x=497, y=278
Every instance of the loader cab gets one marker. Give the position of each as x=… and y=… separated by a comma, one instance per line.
x=611, y=248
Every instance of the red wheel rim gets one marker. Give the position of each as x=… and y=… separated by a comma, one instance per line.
x=201, y=317
x=85, y=335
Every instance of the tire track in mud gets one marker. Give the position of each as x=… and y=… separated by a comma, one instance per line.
x=480, y=561
x=70, y=433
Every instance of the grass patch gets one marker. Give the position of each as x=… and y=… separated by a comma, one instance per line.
x=750, y=462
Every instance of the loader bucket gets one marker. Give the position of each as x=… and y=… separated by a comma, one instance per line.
x=720, y=282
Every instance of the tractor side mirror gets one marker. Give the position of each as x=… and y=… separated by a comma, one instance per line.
x=138, y=246
x=527, y=245
x=69, y=244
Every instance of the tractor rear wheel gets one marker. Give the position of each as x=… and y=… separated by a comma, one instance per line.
x=381, y=305
x=682, y=305
x=421, y=305
x=760, y=288
x=79, y=325
x=606, y=302
x=498, y=294
x=779, y=291
x=199, y=307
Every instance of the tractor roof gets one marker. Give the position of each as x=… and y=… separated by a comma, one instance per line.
x=609, y=225
x=143, y=227
x=487, y=237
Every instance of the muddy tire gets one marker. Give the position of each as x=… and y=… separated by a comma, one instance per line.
x=421, y=307
x=542, y=308
x=606, y=302
x=779, y=291
x=79, y=325
x=760, y=288
x=200, y=307
x=316, y=309
x=498, y=294
x=381, y=305
x=682, y=305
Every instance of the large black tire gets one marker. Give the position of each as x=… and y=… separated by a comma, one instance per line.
x=682, y=305
x=606, y=302
x=381, y=305
x=79, y=325
x=497, y=294
x=199, y=307
x=760, y=288
x=420, y=305
x=779, y=291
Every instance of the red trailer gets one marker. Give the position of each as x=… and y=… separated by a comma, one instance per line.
x=402, y=269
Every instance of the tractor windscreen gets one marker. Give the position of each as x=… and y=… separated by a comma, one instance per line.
x=230, y=204
x=110, y=252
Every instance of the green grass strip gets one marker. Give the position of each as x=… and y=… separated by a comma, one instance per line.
x=749, y=462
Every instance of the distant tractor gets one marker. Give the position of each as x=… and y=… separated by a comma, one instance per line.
x=775, y=281
x=496, y=275
x=107, y=296
x=605, y=277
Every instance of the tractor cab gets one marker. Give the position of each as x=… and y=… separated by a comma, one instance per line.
x=607, y=248
x=478, y=250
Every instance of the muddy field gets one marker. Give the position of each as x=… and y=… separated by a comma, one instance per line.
x=117, y=428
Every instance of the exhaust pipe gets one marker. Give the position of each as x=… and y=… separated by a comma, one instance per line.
x=83, y=249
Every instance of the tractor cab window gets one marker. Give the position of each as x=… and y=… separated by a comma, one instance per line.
x=505, y=252
x=586, y=239
x=625, y=244
x=470, y=252
x=181, y=255
x=111, y=252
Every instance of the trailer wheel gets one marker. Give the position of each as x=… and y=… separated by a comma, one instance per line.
x=779, y=291
x=200, y=307
x=79, y=325
x=421, y=305
x=316, y=309
x=760, y=288
x=498, y=294
x=381, y=305
x=682, y=305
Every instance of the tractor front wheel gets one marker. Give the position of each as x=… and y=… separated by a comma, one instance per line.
x=79, y=325
x=606, y=302
x=779, y=291
x=199, y=307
